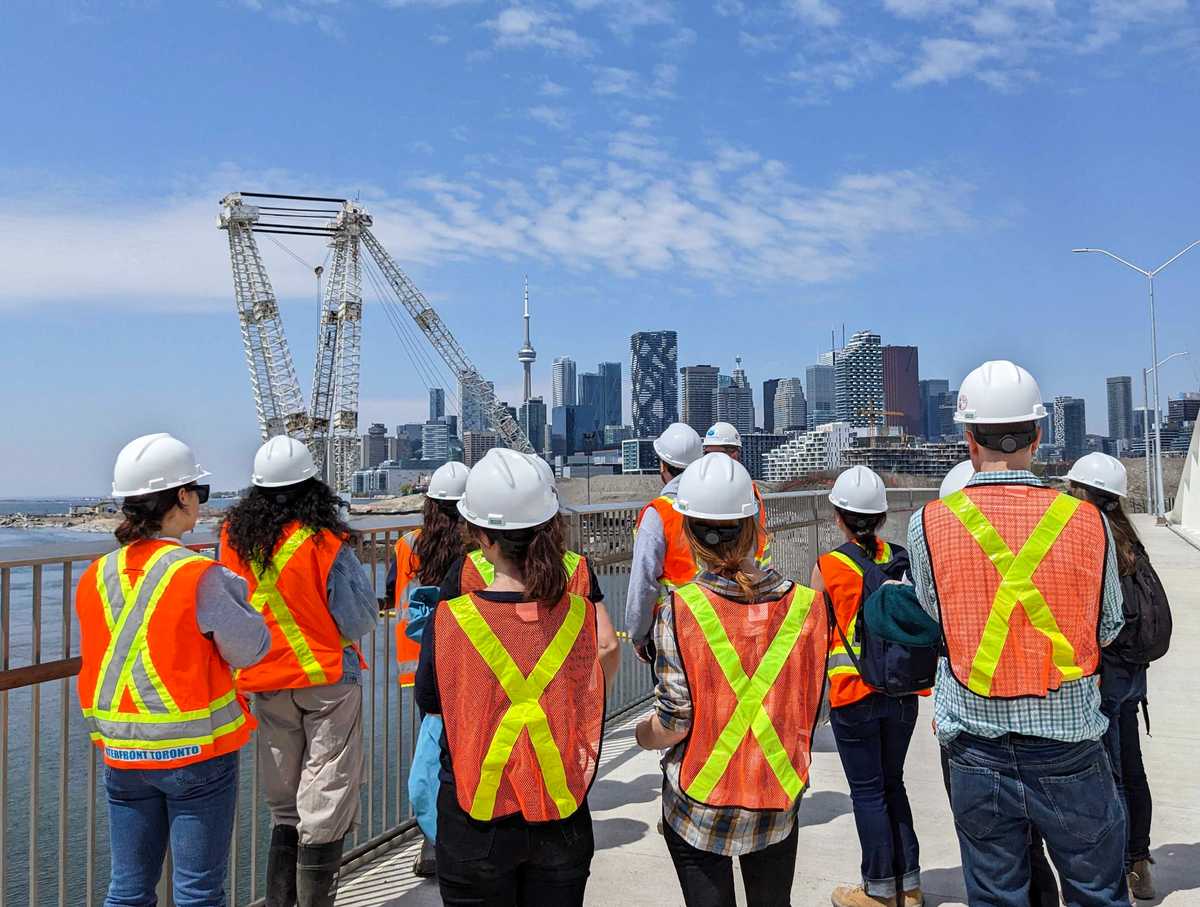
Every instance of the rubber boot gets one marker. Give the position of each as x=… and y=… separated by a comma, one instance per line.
x=425, y=865
x=281, y=866
x=317, y=869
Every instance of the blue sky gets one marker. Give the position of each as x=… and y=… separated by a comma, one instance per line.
x=752, y=175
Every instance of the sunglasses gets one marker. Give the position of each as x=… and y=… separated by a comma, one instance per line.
x=201, y=492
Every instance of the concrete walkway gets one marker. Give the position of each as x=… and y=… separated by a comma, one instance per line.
x=632, y=867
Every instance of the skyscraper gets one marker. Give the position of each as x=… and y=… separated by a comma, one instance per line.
x=699, y=402
x=474, y=417
x=532, y=417
x=654, y=381
x=1183, y=409
x=1120, y=408
x=478, y=443
x=374, y=448
x=791, y=409
x=562, y=389
x=735, y=402
x=435, y=441
x=931, y=390
x=858, y=381
x=769, y=387
x=591, y=394
x=610, y=376
x=819, y=385
x=901, y=390
x=1070, y=426
x=437, y=403
x=526, y=355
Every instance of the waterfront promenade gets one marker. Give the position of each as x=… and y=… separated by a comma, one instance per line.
x=632, y=868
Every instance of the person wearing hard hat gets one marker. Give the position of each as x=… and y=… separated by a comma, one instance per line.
x=728, y=791
x=286, y=538
x=513, y=825
x=872, y=730
x=722, y=437
x=1102, y=480
x=1017, y=702
x=661, y=559
x=161, y=628
x=422, y=558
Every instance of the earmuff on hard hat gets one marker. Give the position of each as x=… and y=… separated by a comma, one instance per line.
x=1007, y=438
x=714, y=533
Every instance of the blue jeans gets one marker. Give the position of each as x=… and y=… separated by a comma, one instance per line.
x=1001, y=787
x=872, y=739
x=1122, y=690
x=193, y=808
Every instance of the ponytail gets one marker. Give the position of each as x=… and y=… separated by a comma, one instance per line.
x=440, y=541
x=538, y=552
x=863, y=527
x=723, y=548
x=144, y=515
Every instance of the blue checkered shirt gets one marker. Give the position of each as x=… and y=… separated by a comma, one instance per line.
x=1071, y=713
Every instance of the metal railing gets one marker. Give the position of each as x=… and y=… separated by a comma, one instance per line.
x=53, y=825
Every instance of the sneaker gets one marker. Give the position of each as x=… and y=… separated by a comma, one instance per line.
x=1141, y=882
x=914, y=898
x=845, y=896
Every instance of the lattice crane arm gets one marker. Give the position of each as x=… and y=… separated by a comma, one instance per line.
x=448, y=348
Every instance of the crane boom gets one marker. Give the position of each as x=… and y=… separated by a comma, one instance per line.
x=448, y=348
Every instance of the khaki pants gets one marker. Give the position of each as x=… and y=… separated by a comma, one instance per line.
x=310, y=758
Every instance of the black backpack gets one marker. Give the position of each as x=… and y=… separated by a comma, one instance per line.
x=1146, y=635
x=900, y=643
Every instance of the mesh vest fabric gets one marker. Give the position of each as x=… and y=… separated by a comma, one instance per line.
x=844, y=587
x=477, y=573
x=994, y=647
x=536, y=754
x=763, y=553
x=292, y=594
x=679, y=566
x=154, y=690
x=408, y=651
x=756, y=677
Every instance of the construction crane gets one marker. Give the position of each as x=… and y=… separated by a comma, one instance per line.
x=874, y=414
x=329, y=426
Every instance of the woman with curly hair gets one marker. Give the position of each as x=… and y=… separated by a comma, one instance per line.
x=288, y=540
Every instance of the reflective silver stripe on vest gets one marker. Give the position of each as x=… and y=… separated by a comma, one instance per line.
x=110, y=574
x=840, y=660
x=146, y=730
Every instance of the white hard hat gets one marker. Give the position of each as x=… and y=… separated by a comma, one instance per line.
x=543, y=467
x=722, y=435
x=716, y=487
x=1099, y=470
x=448, y=482
x=679, y=445
x=999, y=392
x=282, y=461
x=957, y=478
x=859, y=490
x=505, y=490
x=154, y=463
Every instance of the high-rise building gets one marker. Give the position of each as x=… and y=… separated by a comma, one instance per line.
x=699, y=402
x=591, y=394
x=562, y=388
x=1049, y=434
x=755, y=447
x=769, y=387
x=615, y=435
x=437, y=403
x=610, y=376
x=569, y=425
x=1183, y=409
x=1120, y=407
x=638, y=456
x=820, y=450
x=858, y=381
x=654, y=381
x=374, y=447
x=474, y=416
x=1070, y=427
x=435, y=441
x=819, y=387
x=532, y=417
x=526, y=355
x=931, y=390
x=476, y=444
x=734, y=403
x=901, y=389
x=791, y=408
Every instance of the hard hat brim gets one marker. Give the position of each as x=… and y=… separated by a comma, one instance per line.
x=167, y=486
x=840, y=506
x=697, y=515
x=484, y=522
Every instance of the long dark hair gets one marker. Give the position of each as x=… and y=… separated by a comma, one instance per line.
x=863, y=526
x=144, y=514
x=538, y=551
x=1124, y=535
x=255, y=523
x=440, y=541
x=725, y=557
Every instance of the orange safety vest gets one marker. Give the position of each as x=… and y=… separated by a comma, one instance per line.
x=477, y=573
x=763, y=554
x=154, y=690
x=408, y=651
x=1019, y=573
x=522, y=697
x=756, y=675
x=292, y=594
x=679, y=566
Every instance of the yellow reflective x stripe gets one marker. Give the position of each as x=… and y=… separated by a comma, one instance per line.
x=525, y=711
x=1016, y=585
x=847, y=560
x=487, y=571
x=750, y=715
x=571, y=562
x=266, y=594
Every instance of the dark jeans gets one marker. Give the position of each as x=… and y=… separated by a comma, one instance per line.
x=511, y=862
x=1122, y=690
x=192, y=808
x=1043, y=886
x=1000, y=787
x=872, y=739
x=707, y=878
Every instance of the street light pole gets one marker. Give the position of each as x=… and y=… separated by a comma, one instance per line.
x=1150, y=508
x=1146, y=432
x=1150, y=275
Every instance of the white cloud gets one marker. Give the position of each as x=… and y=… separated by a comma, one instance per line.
x=525, y=26
x=943, y=59
x=553, y=117
x=816, y=12
x=551, y=89
x=921, y=9
x=627, y=15
x=858, y=62
x=615, y=81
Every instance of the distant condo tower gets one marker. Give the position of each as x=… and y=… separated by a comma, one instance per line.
x=526, y=355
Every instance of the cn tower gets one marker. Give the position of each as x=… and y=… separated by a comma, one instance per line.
x=526, y=354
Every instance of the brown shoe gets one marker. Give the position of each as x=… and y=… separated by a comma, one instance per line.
x=914, y=898
x=845, y=896
x=1141, y=882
